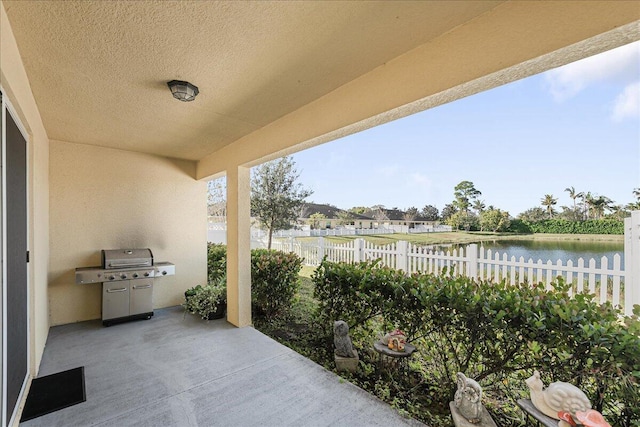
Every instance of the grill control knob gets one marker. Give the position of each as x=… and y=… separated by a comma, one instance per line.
x=146, y=274
x=164, y=273
x=135, y=275
x=112, y=277
x=123, y=276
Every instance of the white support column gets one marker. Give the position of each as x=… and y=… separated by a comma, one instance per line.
x=239, y=246
x=631, y=262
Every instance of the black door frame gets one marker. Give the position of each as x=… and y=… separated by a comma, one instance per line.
x=9, y=411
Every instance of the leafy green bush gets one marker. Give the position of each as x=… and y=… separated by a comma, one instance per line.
x=205, y=300
x=519, y=226
x=562, y=226
x=274, y=276
x=274, y=280
x=216, y=261
x=493, y=332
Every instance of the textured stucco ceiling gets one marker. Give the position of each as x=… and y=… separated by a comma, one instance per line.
x=98, y=69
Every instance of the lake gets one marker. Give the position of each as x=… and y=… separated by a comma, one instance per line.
x=557, y=249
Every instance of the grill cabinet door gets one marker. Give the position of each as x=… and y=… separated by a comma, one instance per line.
x=141, y=296
x=115, y=299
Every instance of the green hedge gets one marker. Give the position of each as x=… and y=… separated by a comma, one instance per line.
x=274, y=277
x=562, y=226
x=216, y=261
x=493, y=332
x=274, y=280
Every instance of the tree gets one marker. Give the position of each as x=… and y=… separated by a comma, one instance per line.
x=358, y=210
x=574, y=195
x=410, y=215
x=448, y=211
x=217, y=197
x=532, y=215
x=316, y=219
x=548, y=201
x=379, y=213
x=599, y=204
x=430, y=213
x=462, y=221
x=479, y=206
x=465, y=194
x=276, y=197
x=636, y=193
x=345, y=218
x=494, y=220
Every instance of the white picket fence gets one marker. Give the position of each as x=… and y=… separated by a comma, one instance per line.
x=607, y=282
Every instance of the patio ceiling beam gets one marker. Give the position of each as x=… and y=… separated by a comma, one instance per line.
x=487, y=51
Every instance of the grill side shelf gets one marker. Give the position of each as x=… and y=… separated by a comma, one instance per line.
x=164, y=269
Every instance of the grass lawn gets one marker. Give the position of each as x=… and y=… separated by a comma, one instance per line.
x=465, y=237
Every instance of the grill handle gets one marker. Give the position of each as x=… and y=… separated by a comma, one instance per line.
x=128, y=264
x=110, y=291
x=142, y=287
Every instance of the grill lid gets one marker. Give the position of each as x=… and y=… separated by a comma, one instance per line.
x=126, y=258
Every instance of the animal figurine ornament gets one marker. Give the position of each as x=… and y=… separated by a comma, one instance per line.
x=590, y=418
x=395, y=334
x=468, y=398
x=341, y=339
x=558, y=397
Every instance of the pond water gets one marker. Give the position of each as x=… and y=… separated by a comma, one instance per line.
x=554, y=250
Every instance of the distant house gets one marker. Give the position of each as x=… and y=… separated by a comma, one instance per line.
x=327, y=216
x=395, y=217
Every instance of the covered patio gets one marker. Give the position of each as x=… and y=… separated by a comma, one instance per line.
x=178, y=370
x=101, y=156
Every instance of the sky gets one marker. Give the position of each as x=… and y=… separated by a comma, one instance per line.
x=574, y=126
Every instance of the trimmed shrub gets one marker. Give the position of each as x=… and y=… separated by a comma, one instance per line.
x=562, y=226
x=274, y=280
x=216, y=261
x=274, y=277
x=519, y=226
x=493, y=332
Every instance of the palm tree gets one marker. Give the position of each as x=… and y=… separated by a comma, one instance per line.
x=574, y=195
x=549, y=202
x=599, y=204
x=479, y=206
x=588, y=204
x=636, y=193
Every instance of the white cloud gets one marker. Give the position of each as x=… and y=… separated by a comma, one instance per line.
x=620, y=66
x=627, y=104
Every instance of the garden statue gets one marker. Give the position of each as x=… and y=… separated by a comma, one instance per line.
x=468, y=398
x=346, y=356
x=341, y=339
x=557, y=398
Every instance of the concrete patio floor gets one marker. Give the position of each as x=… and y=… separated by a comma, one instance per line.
x=182, y=371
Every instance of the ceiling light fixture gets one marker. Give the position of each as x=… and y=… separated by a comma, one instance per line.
x=184, y=91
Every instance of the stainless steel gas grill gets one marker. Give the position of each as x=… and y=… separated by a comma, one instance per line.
x=127, y=277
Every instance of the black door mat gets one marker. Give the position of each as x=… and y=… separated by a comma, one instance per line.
x=54, y=392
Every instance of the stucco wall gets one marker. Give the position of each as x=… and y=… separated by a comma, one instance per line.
x=102, y=198
x=16, y=87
